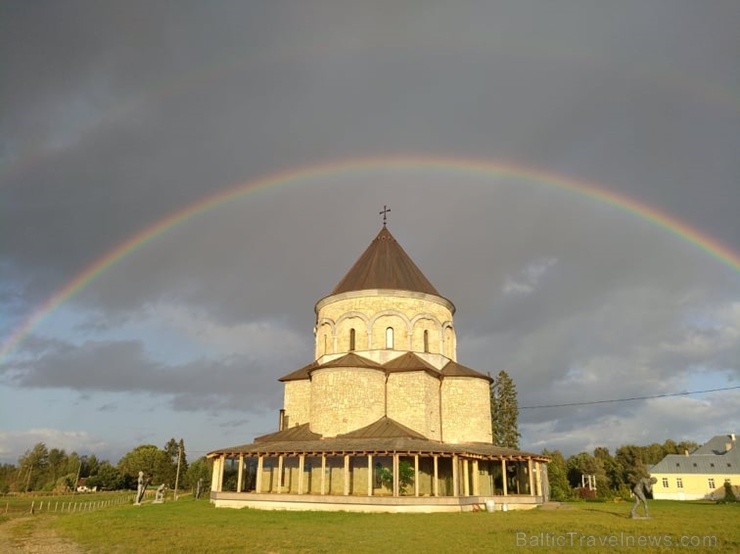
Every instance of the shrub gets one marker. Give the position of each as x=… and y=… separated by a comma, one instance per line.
x=729, y=494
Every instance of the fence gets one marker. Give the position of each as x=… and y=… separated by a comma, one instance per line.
x=18, y=505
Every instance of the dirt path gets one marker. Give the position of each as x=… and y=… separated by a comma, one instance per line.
x=34, y=535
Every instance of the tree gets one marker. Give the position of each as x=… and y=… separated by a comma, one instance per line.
x=107, y=477
x=557, y=476
x=405, y=476
x=90, y=465
x=183, y=459
x=8, y=478
x=613, y=470
x=504, y=411
x=632, y=460
x=155, y=463
x=34, y=463
x=57, y=462
x=199, y=469
x=729, y=494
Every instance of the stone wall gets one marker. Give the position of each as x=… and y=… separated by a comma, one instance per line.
x=413, y=401
x=345, y=399
x=370, y=313
x=466, y=410
x=297, y=402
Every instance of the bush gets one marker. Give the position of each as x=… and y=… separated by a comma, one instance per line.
x=729, y=495
x=405, y=476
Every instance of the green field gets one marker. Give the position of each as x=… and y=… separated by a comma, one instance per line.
x=190, y=526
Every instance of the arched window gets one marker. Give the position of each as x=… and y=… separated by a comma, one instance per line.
x=389, y=337
x=426, y=341
x=351, y=339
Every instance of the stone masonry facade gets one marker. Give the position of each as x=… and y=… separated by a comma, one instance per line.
x=381, y=325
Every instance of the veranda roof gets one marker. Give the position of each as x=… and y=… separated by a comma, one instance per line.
x=384, y=437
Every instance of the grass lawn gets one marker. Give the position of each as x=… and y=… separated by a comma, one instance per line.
x=189, y=526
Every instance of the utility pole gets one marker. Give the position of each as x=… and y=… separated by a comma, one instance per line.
x=177, y=475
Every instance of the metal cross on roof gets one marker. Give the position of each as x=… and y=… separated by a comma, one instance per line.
x=384, y=213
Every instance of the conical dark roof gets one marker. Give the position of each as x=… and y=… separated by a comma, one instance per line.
x=385, y=265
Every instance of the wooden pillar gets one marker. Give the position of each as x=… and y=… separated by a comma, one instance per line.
x=416, y=475
x=435, y=483
x=476, y=486
x=323, y=473
x=221, y=473
x=538, y=478
x=455, y=484
x=532, y=492
x=217, y=462
x=280, y=474
x=395, y=475
x=346, y=475
x=260, y=469
x=301, y=468
x=240, y=477
x=466, y=477
x=369, y=474
x=503, y=469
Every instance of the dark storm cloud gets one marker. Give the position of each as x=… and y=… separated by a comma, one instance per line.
x=123, y=366
x=116, y=115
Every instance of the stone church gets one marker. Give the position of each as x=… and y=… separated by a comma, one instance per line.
x=384, y=418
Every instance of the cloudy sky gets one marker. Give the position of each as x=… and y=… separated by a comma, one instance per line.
x=483, y=125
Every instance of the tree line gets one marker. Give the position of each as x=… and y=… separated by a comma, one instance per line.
x=41, y=469
x=607, y=476
x=612, y=476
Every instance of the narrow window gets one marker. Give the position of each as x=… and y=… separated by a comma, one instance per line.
x=679, y=482
x=710, y=482
x=351, y=339
x=665, y=482
x=426, y=341
x=389, y=337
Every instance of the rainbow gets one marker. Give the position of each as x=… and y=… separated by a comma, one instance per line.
x=483, y=168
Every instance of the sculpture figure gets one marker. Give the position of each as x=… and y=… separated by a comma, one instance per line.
x=140, y=489
x=159, y=497
x=643, y=487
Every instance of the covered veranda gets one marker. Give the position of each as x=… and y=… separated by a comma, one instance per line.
x=296, y=469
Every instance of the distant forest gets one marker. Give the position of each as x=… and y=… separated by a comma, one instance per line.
x=614, y=476
x=41, y=469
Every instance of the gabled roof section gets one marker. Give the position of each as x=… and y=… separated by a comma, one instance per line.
x=351, y=360
x=384, y=428
x=712, y=458
x=453, y=369
x=298, y=433
x=718, y=445
x=385, y=265
x=299, y=374
x=409, y=362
